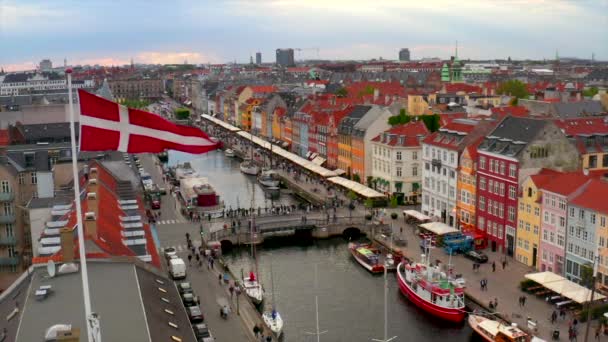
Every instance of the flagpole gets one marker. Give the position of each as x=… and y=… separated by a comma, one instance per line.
x=89, y=319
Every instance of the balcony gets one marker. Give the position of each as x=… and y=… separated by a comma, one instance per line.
x=9, y=261
x=6, y=196
x=436, y=162
x=8, y=241
x=4, y=219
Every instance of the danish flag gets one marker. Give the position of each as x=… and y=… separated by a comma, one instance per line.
x=108, y=126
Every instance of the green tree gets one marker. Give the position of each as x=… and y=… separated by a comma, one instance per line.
x=394, y=202
x=351, y=195
x=369, y=203
x=357, y=178
x=135, y=103
x=342, y=92
x=587, y=275
x=515, y=88
x=432, y=122
x=400, y=119
x=370, y=180
x=590, y=92
x=182, y=113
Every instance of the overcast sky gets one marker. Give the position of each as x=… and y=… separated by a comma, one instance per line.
x=216, y=31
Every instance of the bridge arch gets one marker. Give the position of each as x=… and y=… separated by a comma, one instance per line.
x=227, y=245
x=351, y=232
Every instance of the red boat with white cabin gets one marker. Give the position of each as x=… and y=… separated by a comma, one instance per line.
x=431, y=290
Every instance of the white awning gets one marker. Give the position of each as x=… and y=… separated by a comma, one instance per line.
x=359, y=188
x=564, y=287
x=220, y=123
x=417, y=215
x=319, y=160
x=438, y=228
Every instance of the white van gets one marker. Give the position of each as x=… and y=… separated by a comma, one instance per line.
x=177, y=268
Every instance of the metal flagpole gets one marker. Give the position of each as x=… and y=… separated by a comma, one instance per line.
x=92, y=320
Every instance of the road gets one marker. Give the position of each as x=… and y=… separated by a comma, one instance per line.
x=172, y=233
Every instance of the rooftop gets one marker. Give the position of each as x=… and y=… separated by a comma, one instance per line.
x=407, y=135
x=593, y=197
x=512, y=135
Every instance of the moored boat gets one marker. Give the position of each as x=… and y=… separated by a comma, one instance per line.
x=253, y=289
x=249, y=168
x=367, y=257
x=196, y=193
x=273, y=321
x=229, y=153
x=432, y=290
x=492, y=330
x=269, y=178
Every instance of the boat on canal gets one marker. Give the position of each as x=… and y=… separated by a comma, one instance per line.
x=269, y=178
x=229, y=153
x=253, y=289
x=493, y=330
x=367, y=256
x=272, y=318
x=249, y=168
x=431, y=290
x=196, y=193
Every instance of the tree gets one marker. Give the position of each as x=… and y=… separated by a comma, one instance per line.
x=590, y=92
x=432, y=122
x=357, y=178
x=587, y=275
x=182, y=113
x=370, y=180
x=400, y=119
x=394, y=203
x=513, y=88
x=137, y=104
x=342, y=92
x=351, y=195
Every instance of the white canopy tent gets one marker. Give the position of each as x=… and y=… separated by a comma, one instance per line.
x=356, y=187
x=417, y=215
x=221, y=123
x=438, y=228
x=563, y=287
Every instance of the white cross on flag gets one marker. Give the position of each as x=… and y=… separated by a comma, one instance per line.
x=108, y=126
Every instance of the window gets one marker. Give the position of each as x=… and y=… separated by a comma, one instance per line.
x=546, y=218
x=502, y=189
x=562, y=204
x=511, y=211
x=21, y=178
x=480, y=223
x=491, y=185
x=536, y=211
x=482, y=163
x=527, y=226
x=34, y=178
x=398, y=156
x=482, y=183
x=521, y=225
x=535, y=229
x=571, y=212
x=398, y=172
x=502, y=168
x=512, y=192
x=521, y=206
x=414, y=155
x=427, y=166
x=512, y=170
x=603, y=221
x=562, y=221
x=426, y=151
x=451, y=158
x=482, y=203
x=593, y=218
x=501, y=211
x=5, y=186
x=528, y=208
x=452, y=174
x=414, y=171
x=445, y=156
x=560, y=240
x=496, y=185
x=581, y=214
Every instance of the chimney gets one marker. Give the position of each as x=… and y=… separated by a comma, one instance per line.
x=376, y=94
x=72, y=335
x=90, y=224
x=67, y=244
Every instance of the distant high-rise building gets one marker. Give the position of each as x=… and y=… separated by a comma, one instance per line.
x=285, y=57
x=258, y=58
x=404, y=54
x=46, y=65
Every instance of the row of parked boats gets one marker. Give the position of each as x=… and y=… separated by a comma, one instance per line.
x=438, y=292
x=266, y=177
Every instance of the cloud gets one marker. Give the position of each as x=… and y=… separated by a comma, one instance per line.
x=154, y=57
x=29, y=65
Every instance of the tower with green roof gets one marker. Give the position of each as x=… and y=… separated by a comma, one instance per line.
x=456, y=70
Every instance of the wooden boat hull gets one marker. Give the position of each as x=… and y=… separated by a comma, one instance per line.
x=448, y=314
x=374, y=269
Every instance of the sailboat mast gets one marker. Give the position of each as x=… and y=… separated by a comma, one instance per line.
x=272, y=285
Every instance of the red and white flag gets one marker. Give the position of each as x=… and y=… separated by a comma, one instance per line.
x=108, y=126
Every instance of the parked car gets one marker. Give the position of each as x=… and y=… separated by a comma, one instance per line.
x=195, y=314
x=476, y=256
x=169, y=252
x=201, y=331
x=184, y=287
x=189, y=299
x=177, y=268
x=155, y=203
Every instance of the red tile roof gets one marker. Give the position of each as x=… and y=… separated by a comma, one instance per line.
x=517, y=111
x=566, y=183
x=411, y=132
x=449, y=141
x=462, y=87
x=576, y=126
x=593, y=197
x=263, y=89
x=4, y=137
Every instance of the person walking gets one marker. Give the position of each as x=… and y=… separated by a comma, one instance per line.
x=523, y=301
x=553, y=317
x=231, y=289
x=504, y=264
x=190, y=259
x=495, y=302
x=493, y=266
x=219, y=278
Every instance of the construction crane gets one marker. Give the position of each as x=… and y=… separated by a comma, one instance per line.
x=299, y=50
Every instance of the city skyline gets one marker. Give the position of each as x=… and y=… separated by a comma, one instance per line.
x=107, y=34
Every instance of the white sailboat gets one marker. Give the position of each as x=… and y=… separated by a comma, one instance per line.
x=249, y=168
x=229, y=153
x=272, y=318
x=251, y=285
x=269, y=178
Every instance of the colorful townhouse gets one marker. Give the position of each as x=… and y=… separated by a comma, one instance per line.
x=583, y=235
x=441, y=156
x=370, y=125
x=529, y=216
x=332, y=135
x=554, y=213
x=345, y=136
x=515, y=149
x=396, y=161
x=590, y=135
x=465, y=188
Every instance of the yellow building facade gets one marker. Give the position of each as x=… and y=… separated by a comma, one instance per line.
x=529, y=220
x=465, y=203
x=602, y=244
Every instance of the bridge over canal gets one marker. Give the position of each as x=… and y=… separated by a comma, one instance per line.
x=287, y=225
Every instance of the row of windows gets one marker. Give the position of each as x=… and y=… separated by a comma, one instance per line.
x=439, y=186
x=498, y=167
x=443, y=170
x=580, y=251
x=493, y=228
x=437, y=154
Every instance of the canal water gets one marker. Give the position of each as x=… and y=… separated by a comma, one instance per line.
x=351, y=300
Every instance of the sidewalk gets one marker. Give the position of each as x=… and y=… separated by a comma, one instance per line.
x=503, y=285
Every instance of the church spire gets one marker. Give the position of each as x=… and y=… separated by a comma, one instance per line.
x=456, y=52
